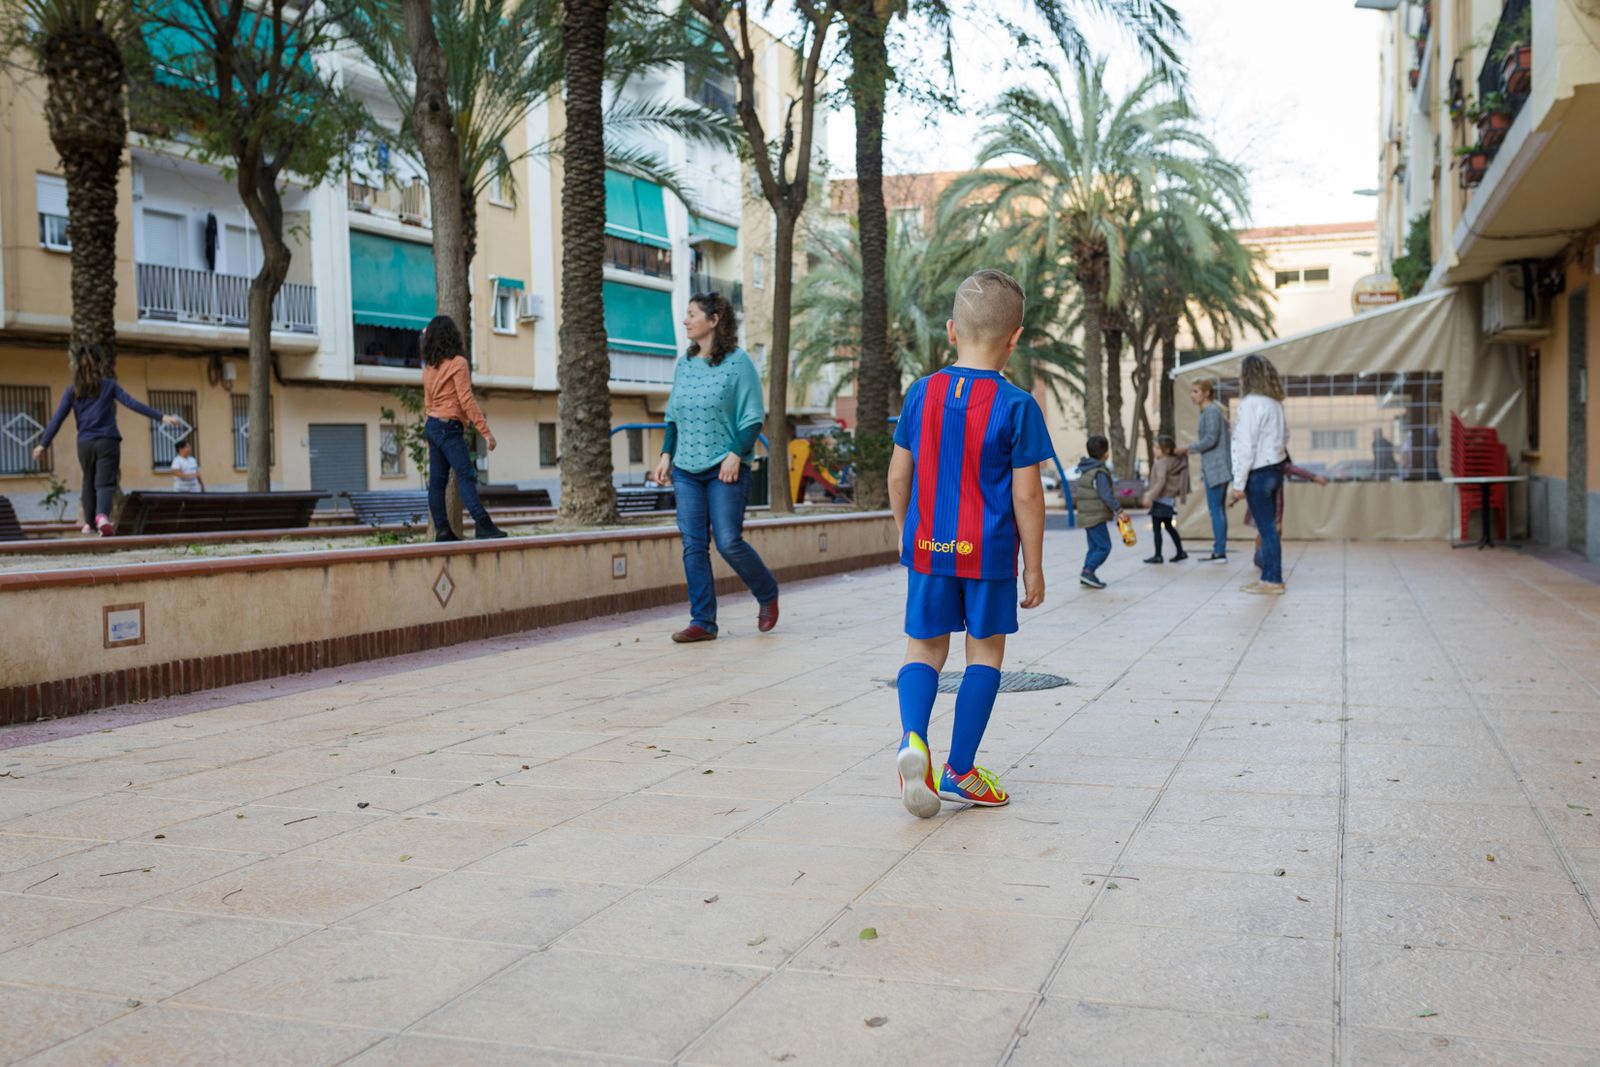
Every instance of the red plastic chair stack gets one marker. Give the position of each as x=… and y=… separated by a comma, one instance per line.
x=1476, y=452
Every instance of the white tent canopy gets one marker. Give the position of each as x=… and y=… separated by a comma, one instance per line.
x=1430, y=346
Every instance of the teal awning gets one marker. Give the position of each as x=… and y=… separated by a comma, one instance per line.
x=509, y=283
x=703, y=229
x=639, y=320
x=391, y=281
x=636, y=210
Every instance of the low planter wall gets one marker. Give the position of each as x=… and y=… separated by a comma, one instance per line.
x=76, y=640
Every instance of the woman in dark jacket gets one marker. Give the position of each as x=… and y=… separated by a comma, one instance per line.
x=93, y=398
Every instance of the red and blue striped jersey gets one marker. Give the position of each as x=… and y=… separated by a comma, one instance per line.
x=966, y=430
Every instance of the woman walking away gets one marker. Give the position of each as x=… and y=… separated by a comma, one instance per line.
x=1260, y=449
x=448, y=402
x=93, y=398
x=1169, y=487
x=1216, y=471
x=713, y=419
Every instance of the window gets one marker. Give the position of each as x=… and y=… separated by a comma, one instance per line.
x=387, y=346
x=163, y=239
x=505, y=310
x=1364, y=427
x=24, y=410
x=497, y=178
x=391, y=457
x=1301, y=278
x=635, y=446
x=163, y=447
x=547, y=444
x=908, y=220
x=241, y=433
x=758, y=271
x=1333, y=439
x=758, y=354
x=52, y=196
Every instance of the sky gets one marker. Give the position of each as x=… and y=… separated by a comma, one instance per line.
x=1286, y=88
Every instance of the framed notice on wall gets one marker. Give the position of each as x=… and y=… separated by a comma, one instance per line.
x=123, y=625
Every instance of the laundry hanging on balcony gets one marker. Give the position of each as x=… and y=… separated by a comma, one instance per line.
x=639, y=320
x=636, y=210
x=391, y=282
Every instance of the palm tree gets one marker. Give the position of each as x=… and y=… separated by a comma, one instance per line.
x=1156, y=28
x=78, y=46
x=1092, y=163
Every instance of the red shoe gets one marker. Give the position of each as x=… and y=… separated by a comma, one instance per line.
x=692, y=633
x=103, y=524
x=768, y=618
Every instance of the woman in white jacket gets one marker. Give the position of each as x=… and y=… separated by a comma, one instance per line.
x=1260, y=449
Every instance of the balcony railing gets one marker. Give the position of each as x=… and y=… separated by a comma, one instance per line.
x=710, y=283
x=636, y=368
x=407, y=202
x=1506, y=72
x=178, y=294
x=624, y=254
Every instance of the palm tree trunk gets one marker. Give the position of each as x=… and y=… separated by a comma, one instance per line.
x=868, y=85
x=1169, y=364
x=88, y=127
x=584, y=367
x=441, y=155
x=1094, y=317
x=1139, y=425
x=782, y=501
x=1119, y=450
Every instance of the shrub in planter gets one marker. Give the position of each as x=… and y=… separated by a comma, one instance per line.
x=1473, y=162
x=1492, y=127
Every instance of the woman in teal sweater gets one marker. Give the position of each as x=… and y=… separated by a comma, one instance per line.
x=713, y=419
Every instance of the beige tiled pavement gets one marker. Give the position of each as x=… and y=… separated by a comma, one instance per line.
x=1353, y=826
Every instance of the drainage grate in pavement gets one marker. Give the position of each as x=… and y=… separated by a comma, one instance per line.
x=1010, y=681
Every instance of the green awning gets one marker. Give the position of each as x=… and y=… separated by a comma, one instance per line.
x=636, y=210
x=639, y=320
x=391, y=281
x=704, y=229
x=509, y=283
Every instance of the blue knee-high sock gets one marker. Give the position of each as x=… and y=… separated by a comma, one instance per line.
x=974, y=701
x=918, y=684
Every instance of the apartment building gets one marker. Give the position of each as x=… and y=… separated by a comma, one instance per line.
x=1490, y=120
x=361, y=287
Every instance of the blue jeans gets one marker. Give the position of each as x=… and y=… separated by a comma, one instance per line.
x=1217, y=501
x=1261, y=493
x=711, y=508
x=447, y=451
x=1099, y=546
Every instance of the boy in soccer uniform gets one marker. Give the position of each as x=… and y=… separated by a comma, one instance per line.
x=966, y=494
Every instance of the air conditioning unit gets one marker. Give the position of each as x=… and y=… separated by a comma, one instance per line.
x=1513, y=307
x=530, y=306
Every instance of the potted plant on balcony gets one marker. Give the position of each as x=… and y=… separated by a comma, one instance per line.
x=1473, y=163
x=1492, y=115
x=1516, y=70
x=1412, y=75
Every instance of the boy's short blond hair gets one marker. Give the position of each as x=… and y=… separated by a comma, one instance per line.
x=988, y=307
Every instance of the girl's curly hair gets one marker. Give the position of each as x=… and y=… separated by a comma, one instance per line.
x=725, y=338
x=441, y=341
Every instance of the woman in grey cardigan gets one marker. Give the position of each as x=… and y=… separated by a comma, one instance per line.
x=1216, y=463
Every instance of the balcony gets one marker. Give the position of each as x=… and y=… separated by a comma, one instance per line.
x=638, y=257
x=710, y=283
x=714, y=93
x=406, y=202
x=640, y=368
x=179, y=294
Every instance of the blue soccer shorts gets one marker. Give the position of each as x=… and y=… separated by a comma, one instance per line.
x=937, y=605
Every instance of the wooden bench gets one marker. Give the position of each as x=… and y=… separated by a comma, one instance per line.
x=382, y=507
x=510, y=497
x=10, y=528
x=634, y=499
x=155, y=512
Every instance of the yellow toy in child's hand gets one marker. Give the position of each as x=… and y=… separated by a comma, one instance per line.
x=1125, y=524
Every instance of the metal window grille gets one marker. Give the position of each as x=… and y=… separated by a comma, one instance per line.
x=1362, y=427
x=547, y=444
x=24, y=411
x=392, y=460
x=185, y=404
x=241, y=433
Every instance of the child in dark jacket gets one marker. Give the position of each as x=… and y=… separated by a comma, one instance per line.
x=1096, y=505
